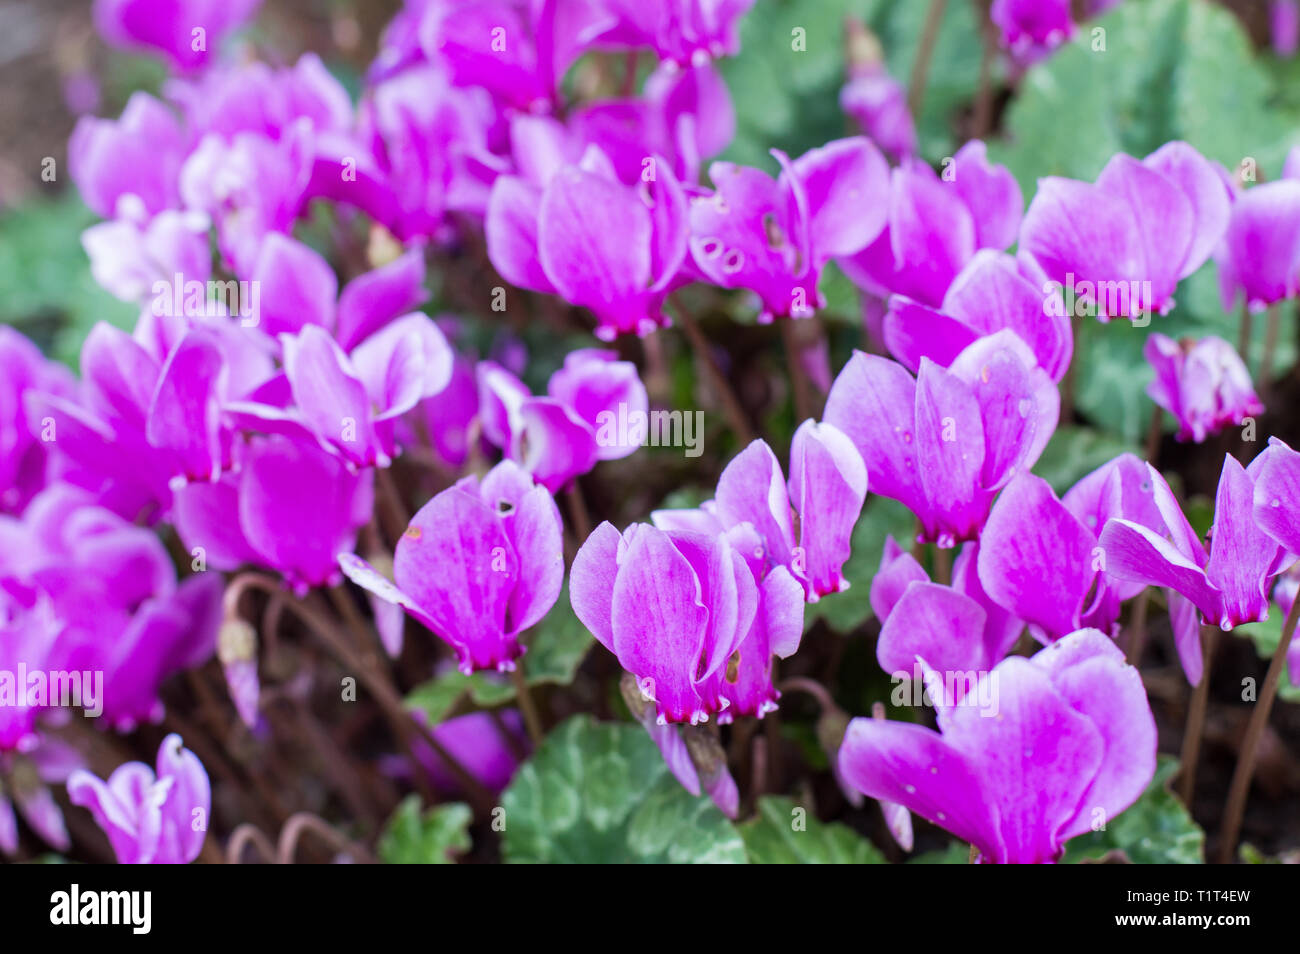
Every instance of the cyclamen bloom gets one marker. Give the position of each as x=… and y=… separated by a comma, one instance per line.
x=873, y=98
x=582, y=234
x=935, y=225
x=1101, y=241
x=1259, y=259
x=1041, y=559
x=947, y=441
x=774, y=236
x=760, y=510
x=561, y=436
x=1229, y=584
x=684, y=614
x=1204, y=384
x=1074, y=734
x=150, y=818
x=1032, y=29
x=988, y=295
x=952, y=628
x=183, y=32
x=480, y=563
x=24, y=457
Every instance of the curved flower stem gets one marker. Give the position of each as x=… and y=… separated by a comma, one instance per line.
x=525, y=699
x=512, y=741
x=578, y=514
x=244, y=835
x=800, y=384
x=1240, y=788
x=731, y=406
x=810, y=686
x=1196, y=717
x=376, y=679
x=303, y=822
x=392, y=513
x=921, y=65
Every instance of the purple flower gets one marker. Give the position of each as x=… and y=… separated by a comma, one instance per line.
x=1070, y=740
x=684, y=614
x=1126, y=241
x=595, y=409
x=150, y=818
x=1204, y=384
x=935, y=225
x=1260, y=255
x=24, y=455
x=1229, y=584
x=480, y=563
x=130, y=256
x=184, y=32
x=774, y=236
x=485, y=746
x=1040, y=557
x=292, y=507
x=48, y=762
x=947, y=441
x=872, y=98
x=1032, y=29
x=1284, y=26
x=761, y=510
x=979, y=631
x=596, y=242
x=139, y=154
x=989, y=294
x=686, y=33
x=1284, y=595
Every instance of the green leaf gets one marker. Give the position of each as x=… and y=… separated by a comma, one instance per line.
x=1075, y=452
x=1171, y=69
x=1266, y=636
x=600, y=793
x=957, y=853
x=556, y=647
x=46, y=289
x=430, y=838
x=846, y=611
x=1156, y=829
x=771, y=838
x=788, y=99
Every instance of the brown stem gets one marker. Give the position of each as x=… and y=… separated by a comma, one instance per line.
x=392, y=513
x=377, y=680
x=525, y=699
x=244, y=835
x=1240, y=788
x=800, y=386
x=921, y=66
x=1270, y=348
x=1243, y=336
x=1155, y=430
x=512, y=741
x=578, y=515
x=303, y=822
x=1196, y=717
x=983, y=118
x=1137, y=627
x=811, y=687
x=942, y=565
x=731, y=406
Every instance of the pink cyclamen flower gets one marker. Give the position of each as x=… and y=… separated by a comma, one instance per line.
x=598, y=243
x=947, y=441
x=1040, y=557
x=595, y=409
x=185, y=33
x=138, y=154
x=964, y=603
x=1284, y=595
x=1204, y=384
x=683, y=612
x=761, y=510
x=1259, y=259
x=1073, y=735
x=935, y=225
x=150, y=817
x=1124, y=242
x=773, y=236
x=24, y=456
x=1229, y=585
x=1032, y=29
x=989, y=294
x=686, y=33
x=47, y=763
x=872, y=98
x=1284, y=26
x=480, y=563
